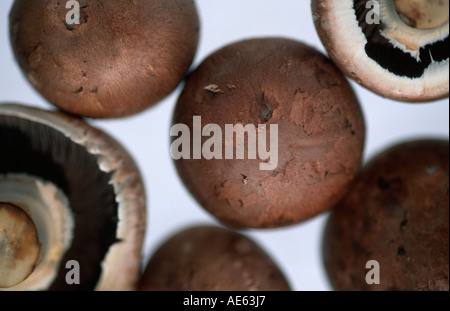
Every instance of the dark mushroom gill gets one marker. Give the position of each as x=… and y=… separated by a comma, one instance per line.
x=394, y=59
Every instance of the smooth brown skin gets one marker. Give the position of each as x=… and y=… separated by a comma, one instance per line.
x=320, y=123
x=209, y=258
x=397, y=214
x=122, y=58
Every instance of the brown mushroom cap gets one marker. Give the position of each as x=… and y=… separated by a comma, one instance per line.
x=122, y=58
x=389, y=56
x=321, y=132
x=103, y=186
x=209, y=258
x=398, y=215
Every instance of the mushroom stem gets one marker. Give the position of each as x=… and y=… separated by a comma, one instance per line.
x=19, y=245
x=423, y=14
x=35, y=232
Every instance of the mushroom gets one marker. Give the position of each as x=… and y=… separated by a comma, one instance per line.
x=211, y=258
x=288, y=133
x=119, y=58
x=69, y=193
x=392, y=230
x=395, y=48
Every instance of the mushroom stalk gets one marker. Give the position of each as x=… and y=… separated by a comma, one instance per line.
x=19, y=245
x=35, y=232
x=423, y=14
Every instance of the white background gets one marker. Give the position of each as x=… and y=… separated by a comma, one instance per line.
x=297, y=249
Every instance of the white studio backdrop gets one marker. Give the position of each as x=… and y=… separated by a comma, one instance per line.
x=297, y=249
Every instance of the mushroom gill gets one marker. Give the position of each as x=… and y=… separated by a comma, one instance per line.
x=104, y=193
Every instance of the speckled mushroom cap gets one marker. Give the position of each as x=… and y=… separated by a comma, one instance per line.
x=395, y=48
x=211, y=258
x=122, y=58
x=264, y=83
x=398, y=215
x=103, y=187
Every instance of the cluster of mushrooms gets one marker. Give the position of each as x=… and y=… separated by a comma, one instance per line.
x=395, y=207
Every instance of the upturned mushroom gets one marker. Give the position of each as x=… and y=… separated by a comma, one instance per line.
x=104, y=59
x=395, y=48
x=70, y=197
